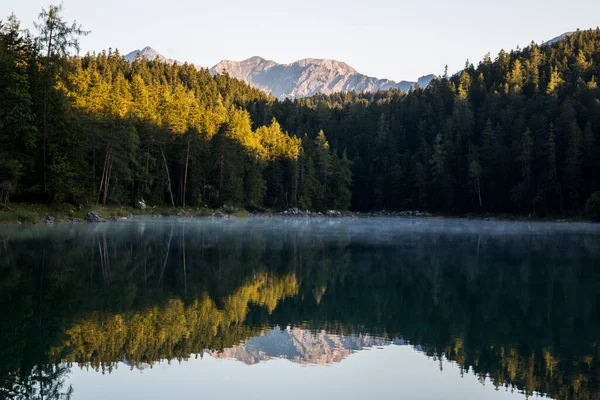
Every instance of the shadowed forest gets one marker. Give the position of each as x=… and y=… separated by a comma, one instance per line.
x=516, y=134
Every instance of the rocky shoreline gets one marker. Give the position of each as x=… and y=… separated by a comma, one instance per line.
x=228, y=212
x=109, y=214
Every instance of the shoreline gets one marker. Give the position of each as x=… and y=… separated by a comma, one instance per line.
x=19, y=214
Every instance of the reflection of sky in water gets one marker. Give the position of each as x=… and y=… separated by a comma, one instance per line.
x=390, y=372
x=509, y=299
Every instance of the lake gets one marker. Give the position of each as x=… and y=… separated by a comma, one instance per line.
x=293, y=308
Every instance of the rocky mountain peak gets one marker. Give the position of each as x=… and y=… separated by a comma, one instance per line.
x=147, y=53
x=333, y=65
x=307, y=77
x=302, y=78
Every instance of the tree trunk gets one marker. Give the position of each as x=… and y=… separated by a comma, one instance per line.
x=44, y=135
x=45, y=116
x=102, y=181
x=187, y=160
x=108, y=173
x=168, y=177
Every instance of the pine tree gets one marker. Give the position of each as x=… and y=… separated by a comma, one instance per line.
x=322, y=167
x=573, y=165
x=56, y=39
x=523, y=192
x=475, y=173
x=17, y=128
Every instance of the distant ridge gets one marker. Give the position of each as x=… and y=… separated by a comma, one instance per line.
x=308, y=77
x=148, y=53
x=559, y=38
x=301, y=78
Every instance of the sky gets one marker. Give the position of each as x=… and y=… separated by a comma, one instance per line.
x=393, y=372
x=393, y=39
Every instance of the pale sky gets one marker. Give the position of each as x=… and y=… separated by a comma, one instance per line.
x=391, y=39
x=392, y=372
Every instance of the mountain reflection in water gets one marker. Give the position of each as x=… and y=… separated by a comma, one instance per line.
x=301, y=346
x=517, y=304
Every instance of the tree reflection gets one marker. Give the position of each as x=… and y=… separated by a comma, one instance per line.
x=41, y=382
x=520, y=310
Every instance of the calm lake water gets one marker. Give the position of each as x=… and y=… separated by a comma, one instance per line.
x=272, y=308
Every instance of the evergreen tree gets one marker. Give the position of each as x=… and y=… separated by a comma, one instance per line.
x=17, y=122
x=55, y=41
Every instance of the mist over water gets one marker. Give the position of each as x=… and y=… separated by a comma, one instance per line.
x=514, y=305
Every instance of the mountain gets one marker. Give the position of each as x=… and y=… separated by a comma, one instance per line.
x=302, y=78
x=558, y=38
x=300, y=346
x=149, y=54
x=307, y=77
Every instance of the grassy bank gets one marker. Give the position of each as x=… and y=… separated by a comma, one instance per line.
x=37, y=213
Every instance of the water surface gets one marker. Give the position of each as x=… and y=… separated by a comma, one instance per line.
x=300, y=308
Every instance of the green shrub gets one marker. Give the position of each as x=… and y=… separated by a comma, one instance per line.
x=19, y=215
x=28, y=217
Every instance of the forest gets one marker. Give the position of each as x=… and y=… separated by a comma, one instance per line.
x=517, y=134
x=97, y=129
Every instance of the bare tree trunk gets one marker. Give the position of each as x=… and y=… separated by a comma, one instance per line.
x=106, y=157
x=168, y=177
x=187, y=160
x=107, y=181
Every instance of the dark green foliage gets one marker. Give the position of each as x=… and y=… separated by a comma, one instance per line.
x=518, y=134
x=592, y=206
x=17, y=121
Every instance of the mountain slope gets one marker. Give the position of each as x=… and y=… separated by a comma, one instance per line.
x=307, y=77
x=148, y=53
x=559, y=38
